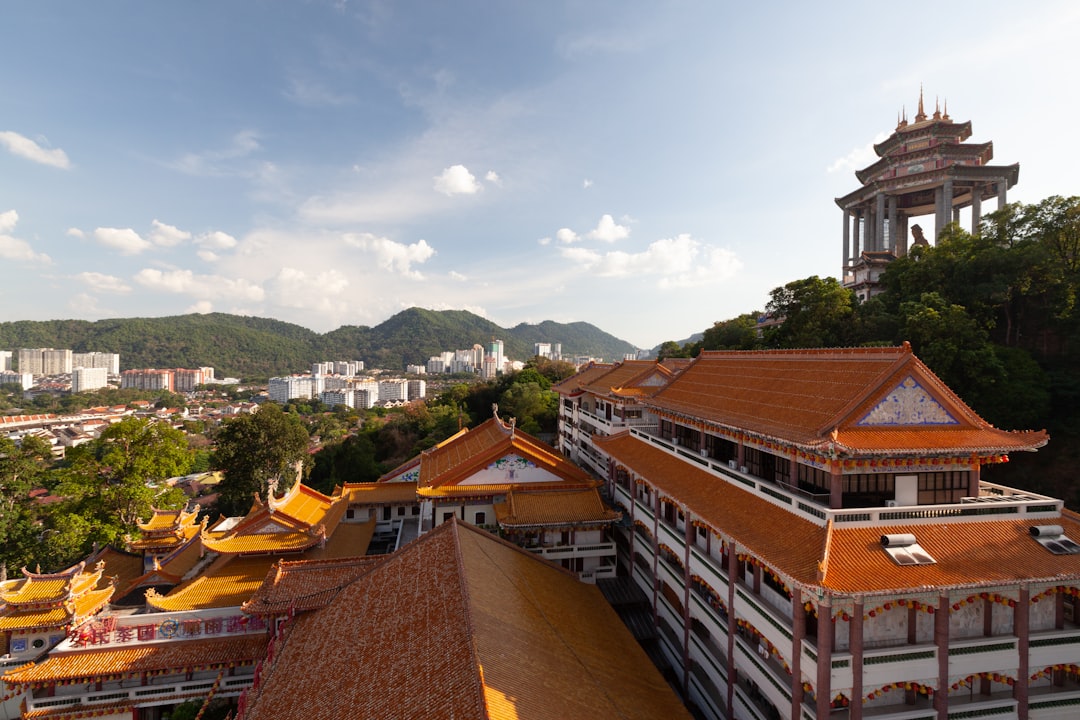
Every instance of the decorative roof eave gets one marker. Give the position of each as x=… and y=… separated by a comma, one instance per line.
x=1011, y=174
x=983, y=151
x=586, y=524
x=251, y=545
x=962, y=130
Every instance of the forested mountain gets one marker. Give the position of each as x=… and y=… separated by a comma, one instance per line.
x=245, y=347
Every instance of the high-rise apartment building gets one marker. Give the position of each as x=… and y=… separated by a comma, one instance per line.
x=6, y=360
x=109, y=361
x=147, y=379
x=84, y=379
x=44, y=361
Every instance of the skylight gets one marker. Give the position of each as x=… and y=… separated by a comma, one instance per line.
x=1052, y=537
x=905, y=550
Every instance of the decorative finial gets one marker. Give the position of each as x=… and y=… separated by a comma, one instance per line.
x=921, y=115
x=937, y=108
x=945, y=115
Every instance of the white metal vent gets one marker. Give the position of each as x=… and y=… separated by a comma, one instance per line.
x=904, y=549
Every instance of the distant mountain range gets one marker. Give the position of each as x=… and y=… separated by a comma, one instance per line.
x=250, y=347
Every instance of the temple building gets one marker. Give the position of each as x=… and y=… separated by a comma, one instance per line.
x=817, y=540
x=925, y=168
x=459, y=624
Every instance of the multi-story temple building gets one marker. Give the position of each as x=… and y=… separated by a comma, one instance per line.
x=816, y=537
x=925, y=168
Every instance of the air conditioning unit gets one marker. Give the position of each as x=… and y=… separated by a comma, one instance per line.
x=891, y=503
x=704, y=453
x=731, y=464
x=742, y=468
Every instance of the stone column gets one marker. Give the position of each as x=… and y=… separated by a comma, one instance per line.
x=946, y=203
x=855, y=643
x=976, y=208
x=798, y=634
x=941, y=639
x=856, y=251
x=1021, y=626
x=1003, y=186
x=902, y=235
x=879, y=224
x=824, y=657
x=939, y=213
x=847, y=240
x=892, y=224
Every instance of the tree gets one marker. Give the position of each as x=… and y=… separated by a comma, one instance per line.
x=22, y=468
x=813, y=312
x=255, y=450
x=736, y=334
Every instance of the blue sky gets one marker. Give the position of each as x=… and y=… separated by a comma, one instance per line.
x=649, y=167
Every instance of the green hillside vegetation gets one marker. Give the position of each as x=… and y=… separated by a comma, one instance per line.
x=251, y=347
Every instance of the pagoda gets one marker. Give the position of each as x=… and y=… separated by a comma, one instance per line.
x=925, y=167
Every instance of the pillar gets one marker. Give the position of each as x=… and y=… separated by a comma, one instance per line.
x=976, y=208
x=939, y=213
x=798, y=634
x=856, y=251
x=732, y=673
x=902, y=235
x=974, y=477
x=941, y=639
x=855, y=643
x=879, y=222
x=847, y=239
x=1021, y=627
x=824, y=657
x=1002, y=188
x=689, y=540
x=892, y=223
x=946, y=203
x=836, y=486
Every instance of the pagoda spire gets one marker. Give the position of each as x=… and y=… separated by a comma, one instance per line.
x=945, y=115
x=937, y=108
x=921, y=115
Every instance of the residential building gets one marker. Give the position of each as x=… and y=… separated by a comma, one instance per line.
x=417, y=390
x=109, y=361
x=84, y=379
x=290, y=387
x=44, y=361
x=333, y=398
x=817, y=539
x=6, y=361
x=186, y=380
x=24, y=380
x=415, y=369
x=392, y=390
x=147, y=379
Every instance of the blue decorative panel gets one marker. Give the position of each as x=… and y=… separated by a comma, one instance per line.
x=908, y=404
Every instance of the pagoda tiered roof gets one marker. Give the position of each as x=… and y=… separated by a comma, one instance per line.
x=495, y=631
x=380, y=493
x=847, y=402
x=50, y=600
x=166, y=530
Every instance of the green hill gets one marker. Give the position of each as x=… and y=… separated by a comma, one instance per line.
x=251, y=347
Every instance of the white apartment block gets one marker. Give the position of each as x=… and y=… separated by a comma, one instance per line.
x=390, y=390
x=335, y=382
x=349, y=367
x=333, y=398
x=416, y=369
x=417, y=389
x=435, y=365
x=84, y=379
x=6, y=360
x=364, y=398
x=109, y=361
x=23, y=380
x=147, y=379
x=290, y=387
x=186, y=380
x=45, y=361
x=322, y=368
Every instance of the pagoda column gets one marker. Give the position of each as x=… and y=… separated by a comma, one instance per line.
x=939, y=220
x=941, y=640
x=976, y=208
x=856, y=251
x=798, y=634
x=847, y=239
x=892, y=223
x=974, y=477
x=1003, y=185
x=946, y=203
x=1022, y=628
x=855, y=645
x=836, y=485
x=826, y=628
x=902, y=235
x=879, y=221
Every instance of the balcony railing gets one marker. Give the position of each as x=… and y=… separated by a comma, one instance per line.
x=142, y=695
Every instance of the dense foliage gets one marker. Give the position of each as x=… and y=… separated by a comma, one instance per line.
x=249, y=347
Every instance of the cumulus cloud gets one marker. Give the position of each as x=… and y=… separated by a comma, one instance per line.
x=677, y=262
x=608, y=231
x=167, y=235
x=11, y=247
x=25, y=147
x=126, y=240
x=858, y=158
x=104, y=283
x=202, y=307
x=586, y=184
x=454, y=275
x=216, y=240
x=203, y=287
x=394, y=256
x=566, y=236
x=296, y=288
x=544, y=240
x=457, y=180
x=493, y=178
x=75, y=232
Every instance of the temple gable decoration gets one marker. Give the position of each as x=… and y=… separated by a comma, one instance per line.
x=909, y=403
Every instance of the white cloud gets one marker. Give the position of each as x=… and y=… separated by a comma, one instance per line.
x=83, y=305
x=126, y=240
x=607, y=231
x=217, y=162
x=566, y=236
x=391, y=255
x=544, y=241
x=457, y=180
x=12, y=248
x=493, y=178
x=678, y=262
x=201, y=307
x=25, y=147
x=167, y=235
x=296, y=288
x=75, y=232
x=586, y=184
x=208, y=256
x=216, y=240
x=202, y=287
x=454, y=275
x=104, y=283
x=858, y=158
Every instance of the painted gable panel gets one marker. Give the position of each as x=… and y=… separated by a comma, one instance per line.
x=511, y=468
x=909, y=403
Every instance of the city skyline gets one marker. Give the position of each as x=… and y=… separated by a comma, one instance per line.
x=649, y=169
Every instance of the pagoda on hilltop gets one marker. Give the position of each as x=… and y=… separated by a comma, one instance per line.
x=924, y=168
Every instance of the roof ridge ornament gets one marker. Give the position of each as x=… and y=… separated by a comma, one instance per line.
x=921, y=115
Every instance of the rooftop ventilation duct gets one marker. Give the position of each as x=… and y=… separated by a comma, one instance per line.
x=898, y=540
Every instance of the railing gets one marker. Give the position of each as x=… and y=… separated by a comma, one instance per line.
x=575, y=551
x=141, y=695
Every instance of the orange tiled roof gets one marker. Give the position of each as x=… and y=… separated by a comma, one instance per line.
x=43, y=588
x=228, y=582
x=574, y=507
x=985, y=552
x=802, y=396
x=305, y=584
x=89, y=665
x=498, y=632
x=259, y=543
x=380, y=492
x=57, y=616
x=630, y=377
x=455, y=462
x=166, y=520
x=124, y=566
x=784, y=541
x=575, y=383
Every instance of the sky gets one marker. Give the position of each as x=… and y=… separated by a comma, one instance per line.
x=647, y=167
